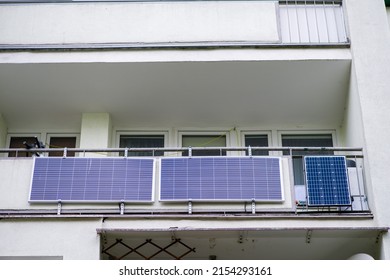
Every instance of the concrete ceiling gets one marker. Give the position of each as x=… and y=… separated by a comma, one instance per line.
x=174, y=94
x=248, y=245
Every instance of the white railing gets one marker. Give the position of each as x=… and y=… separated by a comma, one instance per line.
x=279, y=24
x=312, y=22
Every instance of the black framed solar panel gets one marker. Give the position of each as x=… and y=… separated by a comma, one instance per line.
x=92, y=180
x=221, y=179
x=327, y=181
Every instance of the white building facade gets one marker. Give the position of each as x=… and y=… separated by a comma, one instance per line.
x=172, y=83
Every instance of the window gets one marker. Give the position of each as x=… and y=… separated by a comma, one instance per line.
x=142, y=141
x=257, y=141
x=314, y=140
x=62, y=142
x=19, y=142
x=204, y=141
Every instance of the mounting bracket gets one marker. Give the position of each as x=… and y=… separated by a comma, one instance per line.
x=249, y=151
x=190, y=207
x=122, y=208
x=308, y=236
x=253, y=206
x=126, y=152
x=59, y=207
x=65, y=152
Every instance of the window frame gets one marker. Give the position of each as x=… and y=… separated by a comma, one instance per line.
x=210, y=133
x=119, y=133
x=306, y=133
x=267, y=133
x=54, y=134
x=29, y=135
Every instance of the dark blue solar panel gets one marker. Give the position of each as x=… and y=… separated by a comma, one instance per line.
x=221, y=178
x=327, y=181
x=92, y=179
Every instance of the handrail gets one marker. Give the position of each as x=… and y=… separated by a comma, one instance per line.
x=182, y=149
x=102, y=1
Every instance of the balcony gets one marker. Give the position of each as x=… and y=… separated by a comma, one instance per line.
x=17, y=196
x=260, y=78
x=169, y=24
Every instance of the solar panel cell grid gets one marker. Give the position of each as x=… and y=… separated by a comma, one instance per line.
x=92, y=179
x=327, y=181
x=220, y=178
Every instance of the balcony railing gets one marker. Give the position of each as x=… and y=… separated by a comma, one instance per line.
x=312, y=22
x=297, y=203
x=264, y=23
x=176, y=151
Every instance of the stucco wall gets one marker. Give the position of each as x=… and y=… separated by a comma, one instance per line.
x=352, y=129
x=15, y=180
x=95, y=131
x=69, y=239
x=388, y=15
x=370, y=44
x=147, y=22
x=3, y=132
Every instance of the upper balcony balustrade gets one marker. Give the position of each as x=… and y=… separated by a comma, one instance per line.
x=131, y=24
x=237, y=183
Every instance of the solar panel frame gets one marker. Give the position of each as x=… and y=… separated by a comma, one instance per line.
x=83, y=179
x=327, y=182
x=224, y=178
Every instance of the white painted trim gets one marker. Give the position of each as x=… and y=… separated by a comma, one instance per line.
x=172, y=55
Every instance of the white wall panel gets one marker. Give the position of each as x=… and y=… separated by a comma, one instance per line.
x=156, y=22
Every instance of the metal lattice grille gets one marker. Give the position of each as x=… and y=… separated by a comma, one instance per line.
x=119, y=250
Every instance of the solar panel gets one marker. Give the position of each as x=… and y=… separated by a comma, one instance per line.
x=221, y=179
x=92, y=180
x=327, y=181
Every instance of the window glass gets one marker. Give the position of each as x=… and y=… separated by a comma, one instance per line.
x=62, y=142
x=257, y=141
x=204, y=141
x=321, y=140
x=142, y=141
x=19, y=142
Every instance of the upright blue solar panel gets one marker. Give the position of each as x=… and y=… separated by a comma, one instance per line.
x=327, y=181
x=92, y=180
x=221, y=179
